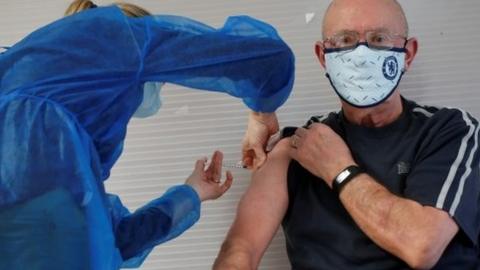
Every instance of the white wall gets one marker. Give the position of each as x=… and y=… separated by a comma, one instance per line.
x=160, y=151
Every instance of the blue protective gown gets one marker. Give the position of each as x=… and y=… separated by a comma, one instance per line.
x=67, y=93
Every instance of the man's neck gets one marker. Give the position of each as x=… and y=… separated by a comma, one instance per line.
x=377, y=116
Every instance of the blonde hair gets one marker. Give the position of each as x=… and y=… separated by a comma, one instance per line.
x=130, y=10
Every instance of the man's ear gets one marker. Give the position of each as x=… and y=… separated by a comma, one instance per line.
x=320, y=53
x=411, y=48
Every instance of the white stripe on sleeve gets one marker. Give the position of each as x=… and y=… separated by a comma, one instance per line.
x=465, y=175
x=454, y=168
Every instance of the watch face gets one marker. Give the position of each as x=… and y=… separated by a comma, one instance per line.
x=343, y=175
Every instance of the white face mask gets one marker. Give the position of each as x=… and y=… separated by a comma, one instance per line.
x=151, y=102
x=364, y=77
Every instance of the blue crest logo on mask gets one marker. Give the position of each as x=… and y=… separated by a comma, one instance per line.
x=390, y=68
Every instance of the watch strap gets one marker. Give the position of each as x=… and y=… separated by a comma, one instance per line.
x=344, y=177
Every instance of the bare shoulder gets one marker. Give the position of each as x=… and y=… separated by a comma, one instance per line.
x=274, y=171
x=268, y=186
x=280, y=152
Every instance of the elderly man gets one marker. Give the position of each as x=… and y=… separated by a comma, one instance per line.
x=382, y=184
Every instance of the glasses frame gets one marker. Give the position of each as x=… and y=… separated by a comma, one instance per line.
x=365, y=42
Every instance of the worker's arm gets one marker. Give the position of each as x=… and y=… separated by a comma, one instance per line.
x=245, y=58
x=169, y=215
x=259, y=214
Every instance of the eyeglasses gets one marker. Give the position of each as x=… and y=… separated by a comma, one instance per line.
x=378, y=40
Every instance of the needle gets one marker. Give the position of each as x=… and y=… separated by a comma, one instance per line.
x=238, y=165
x=230, y=164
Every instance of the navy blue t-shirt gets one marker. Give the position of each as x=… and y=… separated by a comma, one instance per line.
x=429, y=155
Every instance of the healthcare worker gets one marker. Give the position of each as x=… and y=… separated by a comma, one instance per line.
x=67, y=93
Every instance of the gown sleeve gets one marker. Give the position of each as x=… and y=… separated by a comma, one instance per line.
x=103, y=49
x=245, y=58
x=158, y=221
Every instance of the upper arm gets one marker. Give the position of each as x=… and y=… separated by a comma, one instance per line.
x=263, y=206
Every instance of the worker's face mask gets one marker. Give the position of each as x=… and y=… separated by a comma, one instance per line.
x=364, y=77
x=151, y=102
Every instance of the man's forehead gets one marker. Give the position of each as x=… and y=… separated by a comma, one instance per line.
x=364, y=15
x=360, y=25
x=376, y=29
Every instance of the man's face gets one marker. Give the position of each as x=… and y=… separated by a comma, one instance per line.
x=380, y=23
x=361, y=16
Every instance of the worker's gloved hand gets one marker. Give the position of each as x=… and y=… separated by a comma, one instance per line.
x=260, y=127
x=207, y=182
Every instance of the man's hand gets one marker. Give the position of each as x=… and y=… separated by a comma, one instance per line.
x=260, y=127
x=321, y=151
x=207, y=182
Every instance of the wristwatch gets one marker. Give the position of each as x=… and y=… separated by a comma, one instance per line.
x=344, y=177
